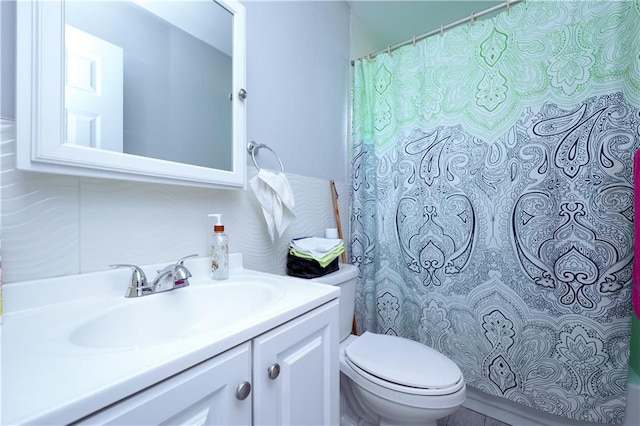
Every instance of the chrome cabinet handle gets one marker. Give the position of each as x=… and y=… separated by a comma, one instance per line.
x=274, y=371
x=242, y=94
x=243, y=391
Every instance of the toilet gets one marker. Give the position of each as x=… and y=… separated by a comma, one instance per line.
x=389, y=380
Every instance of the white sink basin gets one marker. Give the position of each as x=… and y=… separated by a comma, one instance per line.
x=176, y=314
x=73, y=351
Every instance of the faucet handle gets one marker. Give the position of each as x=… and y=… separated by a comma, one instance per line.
x=181, y=261
x=138, y=281
x=181, y=276
x=181, y=273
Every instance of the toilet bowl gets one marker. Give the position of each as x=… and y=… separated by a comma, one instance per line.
x=390, y=380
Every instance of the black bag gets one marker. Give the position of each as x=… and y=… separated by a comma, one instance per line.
x=308, y=268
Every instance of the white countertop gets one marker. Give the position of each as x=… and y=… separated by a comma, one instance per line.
x=47, y=379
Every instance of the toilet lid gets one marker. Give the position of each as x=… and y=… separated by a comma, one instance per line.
x=403, y=361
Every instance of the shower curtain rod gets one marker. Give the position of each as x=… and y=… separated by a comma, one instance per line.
x=441, y=30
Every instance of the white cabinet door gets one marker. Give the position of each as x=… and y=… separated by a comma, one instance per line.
x=306, y=390
x=205, y=394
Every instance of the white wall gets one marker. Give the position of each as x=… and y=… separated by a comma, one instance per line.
x=298, y=83
x=362, y=42
x=297, y=79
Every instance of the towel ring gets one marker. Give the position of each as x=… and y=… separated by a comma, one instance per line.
x=253, y=147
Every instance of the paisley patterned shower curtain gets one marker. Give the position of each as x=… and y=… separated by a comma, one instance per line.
x=492, y=199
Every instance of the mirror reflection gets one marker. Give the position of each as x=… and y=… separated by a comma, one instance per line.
x=150, y=78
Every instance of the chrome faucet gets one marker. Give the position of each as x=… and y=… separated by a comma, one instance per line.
x=170, y=277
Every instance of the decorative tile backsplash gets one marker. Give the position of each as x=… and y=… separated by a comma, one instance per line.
x=55, y=225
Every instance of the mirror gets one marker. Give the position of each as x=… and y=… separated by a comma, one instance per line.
x=138, y=90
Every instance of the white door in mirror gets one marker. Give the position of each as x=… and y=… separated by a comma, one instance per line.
x=93, y=91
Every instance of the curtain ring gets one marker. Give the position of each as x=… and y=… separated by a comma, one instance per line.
x=389, y=50
x=441, y=30
x=508, y=5
x=473, y=18
x=414, y=41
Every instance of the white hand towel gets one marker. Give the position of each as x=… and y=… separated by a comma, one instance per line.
x=316, y=247
x=276, y=198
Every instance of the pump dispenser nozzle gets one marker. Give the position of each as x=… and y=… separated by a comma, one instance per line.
x=218, y=227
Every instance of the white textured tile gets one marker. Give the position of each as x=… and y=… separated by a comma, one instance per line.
x=39, y=219
x=140, y=223
x=132, y=222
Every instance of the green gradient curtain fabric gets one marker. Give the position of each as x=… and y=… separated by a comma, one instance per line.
x=492, y=197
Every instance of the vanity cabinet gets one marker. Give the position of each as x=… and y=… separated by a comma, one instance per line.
x=203, y=394
x=292, y=372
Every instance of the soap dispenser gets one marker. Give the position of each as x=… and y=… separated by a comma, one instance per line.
x=219, y=250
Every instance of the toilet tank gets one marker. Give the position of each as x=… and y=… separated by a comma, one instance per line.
x=346, y=277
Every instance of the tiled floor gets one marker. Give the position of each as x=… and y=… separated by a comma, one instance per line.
x=466, y=417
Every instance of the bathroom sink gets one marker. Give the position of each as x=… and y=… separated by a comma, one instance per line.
x=177, y=314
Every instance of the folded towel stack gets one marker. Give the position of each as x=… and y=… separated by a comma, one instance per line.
x=322, y=250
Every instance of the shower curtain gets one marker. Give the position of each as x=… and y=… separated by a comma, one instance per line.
x=492, y=200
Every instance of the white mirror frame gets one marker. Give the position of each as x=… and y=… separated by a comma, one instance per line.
x=40, y=111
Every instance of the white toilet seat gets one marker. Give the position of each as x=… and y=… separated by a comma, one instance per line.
x=403, y=364
x=402, y=388
x=400, y=394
